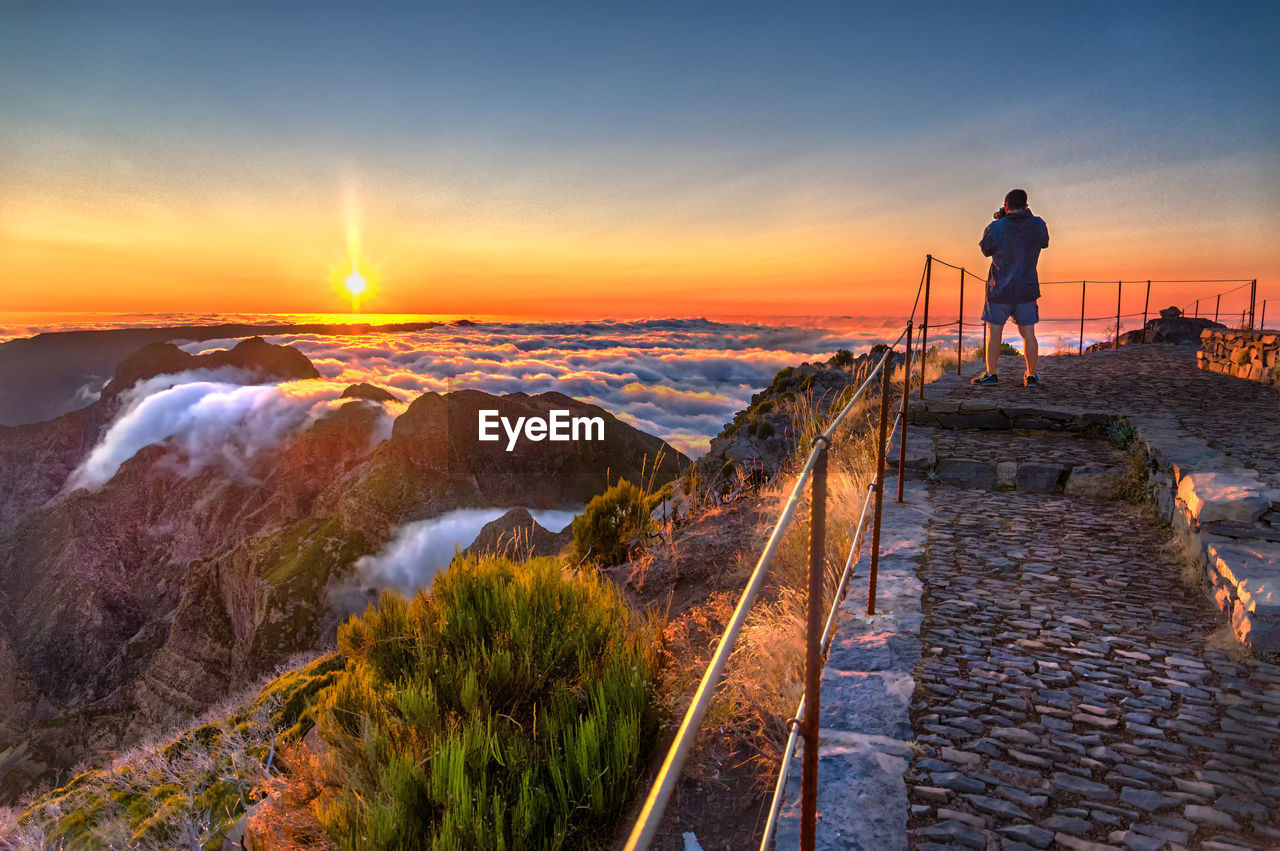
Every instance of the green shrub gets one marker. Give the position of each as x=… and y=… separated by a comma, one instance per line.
x=843, y=359
x=605, y=531
x=508, y=710
x=1121, y=434
x=1006, y=349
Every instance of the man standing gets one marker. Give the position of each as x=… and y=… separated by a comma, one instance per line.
x=1013, y=242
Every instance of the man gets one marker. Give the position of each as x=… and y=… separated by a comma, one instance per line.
x=1013, y=242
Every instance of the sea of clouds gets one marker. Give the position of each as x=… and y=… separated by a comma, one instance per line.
x=681, y=379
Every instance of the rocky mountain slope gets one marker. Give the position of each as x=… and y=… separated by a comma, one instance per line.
x=128, y=608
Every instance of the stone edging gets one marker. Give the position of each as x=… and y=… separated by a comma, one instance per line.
x=867, y=684
x=1227, y=519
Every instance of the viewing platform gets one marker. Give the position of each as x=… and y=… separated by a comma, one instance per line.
x=1050, y=665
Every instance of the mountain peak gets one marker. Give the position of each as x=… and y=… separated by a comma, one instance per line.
x=255, y=355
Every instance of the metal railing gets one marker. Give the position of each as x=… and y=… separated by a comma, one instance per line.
x=818, y=636
x=1247, y=315
x=804, y=725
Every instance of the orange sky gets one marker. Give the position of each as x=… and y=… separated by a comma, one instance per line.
x=60, y=256
x=600, y=162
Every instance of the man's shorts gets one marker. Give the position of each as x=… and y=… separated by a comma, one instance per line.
x=1026, y=313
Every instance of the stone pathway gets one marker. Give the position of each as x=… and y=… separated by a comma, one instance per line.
x=1067, y=696
x=1237, y=417
x=1073, y=689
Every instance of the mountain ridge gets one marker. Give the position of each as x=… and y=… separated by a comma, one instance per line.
x=130, y=608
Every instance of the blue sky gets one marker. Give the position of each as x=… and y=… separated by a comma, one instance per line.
x=654, y=131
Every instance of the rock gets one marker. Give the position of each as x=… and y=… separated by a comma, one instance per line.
x=1098, y=480
x=1067, y=824
x=1145, y=799
x=1007, y=475
x=996, y=807
x=1035, y=477
x=1170, y=313
x=370, y=392
x=953, y=831
x=958, y=782
x=1214, y=496
x=1210, y=816
x=967, y=473
x=1080, y=786
x=1028, y=833
x=1015, y=734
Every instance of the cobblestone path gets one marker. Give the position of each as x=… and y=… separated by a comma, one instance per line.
x=1154, y=380
x=1067, y=696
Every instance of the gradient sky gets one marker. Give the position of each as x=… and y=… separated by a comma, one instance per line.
x=587, y=159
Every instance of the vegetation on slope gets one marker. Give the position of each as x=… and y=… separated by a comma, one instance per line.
x=186, y=792
x=508, y=709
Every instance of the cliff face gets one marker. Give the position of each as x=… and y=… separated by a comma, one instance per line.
x=126, y=609
x=37, y=458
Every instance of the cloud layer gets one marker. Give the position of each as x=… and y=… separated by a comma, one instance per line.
x=681, y=379
x=423, y=548
x=210, y=416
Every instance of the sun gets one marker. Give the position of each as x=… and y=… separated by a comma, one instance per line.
x=355, y=279
x=355, y=284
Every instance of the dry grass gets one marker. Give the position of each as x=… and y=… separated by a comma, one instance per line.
x=285, y=816
x=1223, y=639
x=764, y=678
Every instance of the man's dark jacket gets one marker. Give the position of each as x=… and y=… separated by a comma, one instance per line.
x=1013, y=243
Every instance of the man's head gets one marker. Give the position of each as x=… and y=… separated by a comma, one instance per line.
x=1016, y=200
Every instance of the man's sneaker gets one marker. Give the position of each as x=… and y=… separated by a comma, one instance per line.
x=986, y=378
x=1031, y=380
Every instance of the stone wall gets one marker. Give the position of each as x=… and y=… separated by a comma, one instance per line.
x=1254, y=355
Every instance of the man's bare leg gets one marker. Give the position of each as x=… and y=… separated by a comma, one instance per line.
x=993, y=347
x=1030, y=347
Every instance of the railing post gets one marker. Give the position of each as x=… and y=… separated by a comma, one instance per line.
x=1262, y=325
x=1197, y=313
x=1253, y=301
x=1119, y=289
x=959, y=329
x=813, y=651
x=1083, y=286
x=924, y=322
x=1146, y=307
x=880, y=447
x=1217, y=307
x=906, y=393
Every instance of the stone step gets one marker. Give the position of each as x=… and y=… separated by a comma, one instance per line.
x=1094, y=480
x=1042, y=464
x=990, y=415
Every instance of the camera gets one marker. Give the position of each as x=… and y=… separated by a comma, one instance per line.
x=999, y=214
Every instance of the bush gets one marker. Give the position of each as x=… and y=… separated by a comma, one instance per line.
x=606, y=531
x=510, y=709
x=843, y=359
